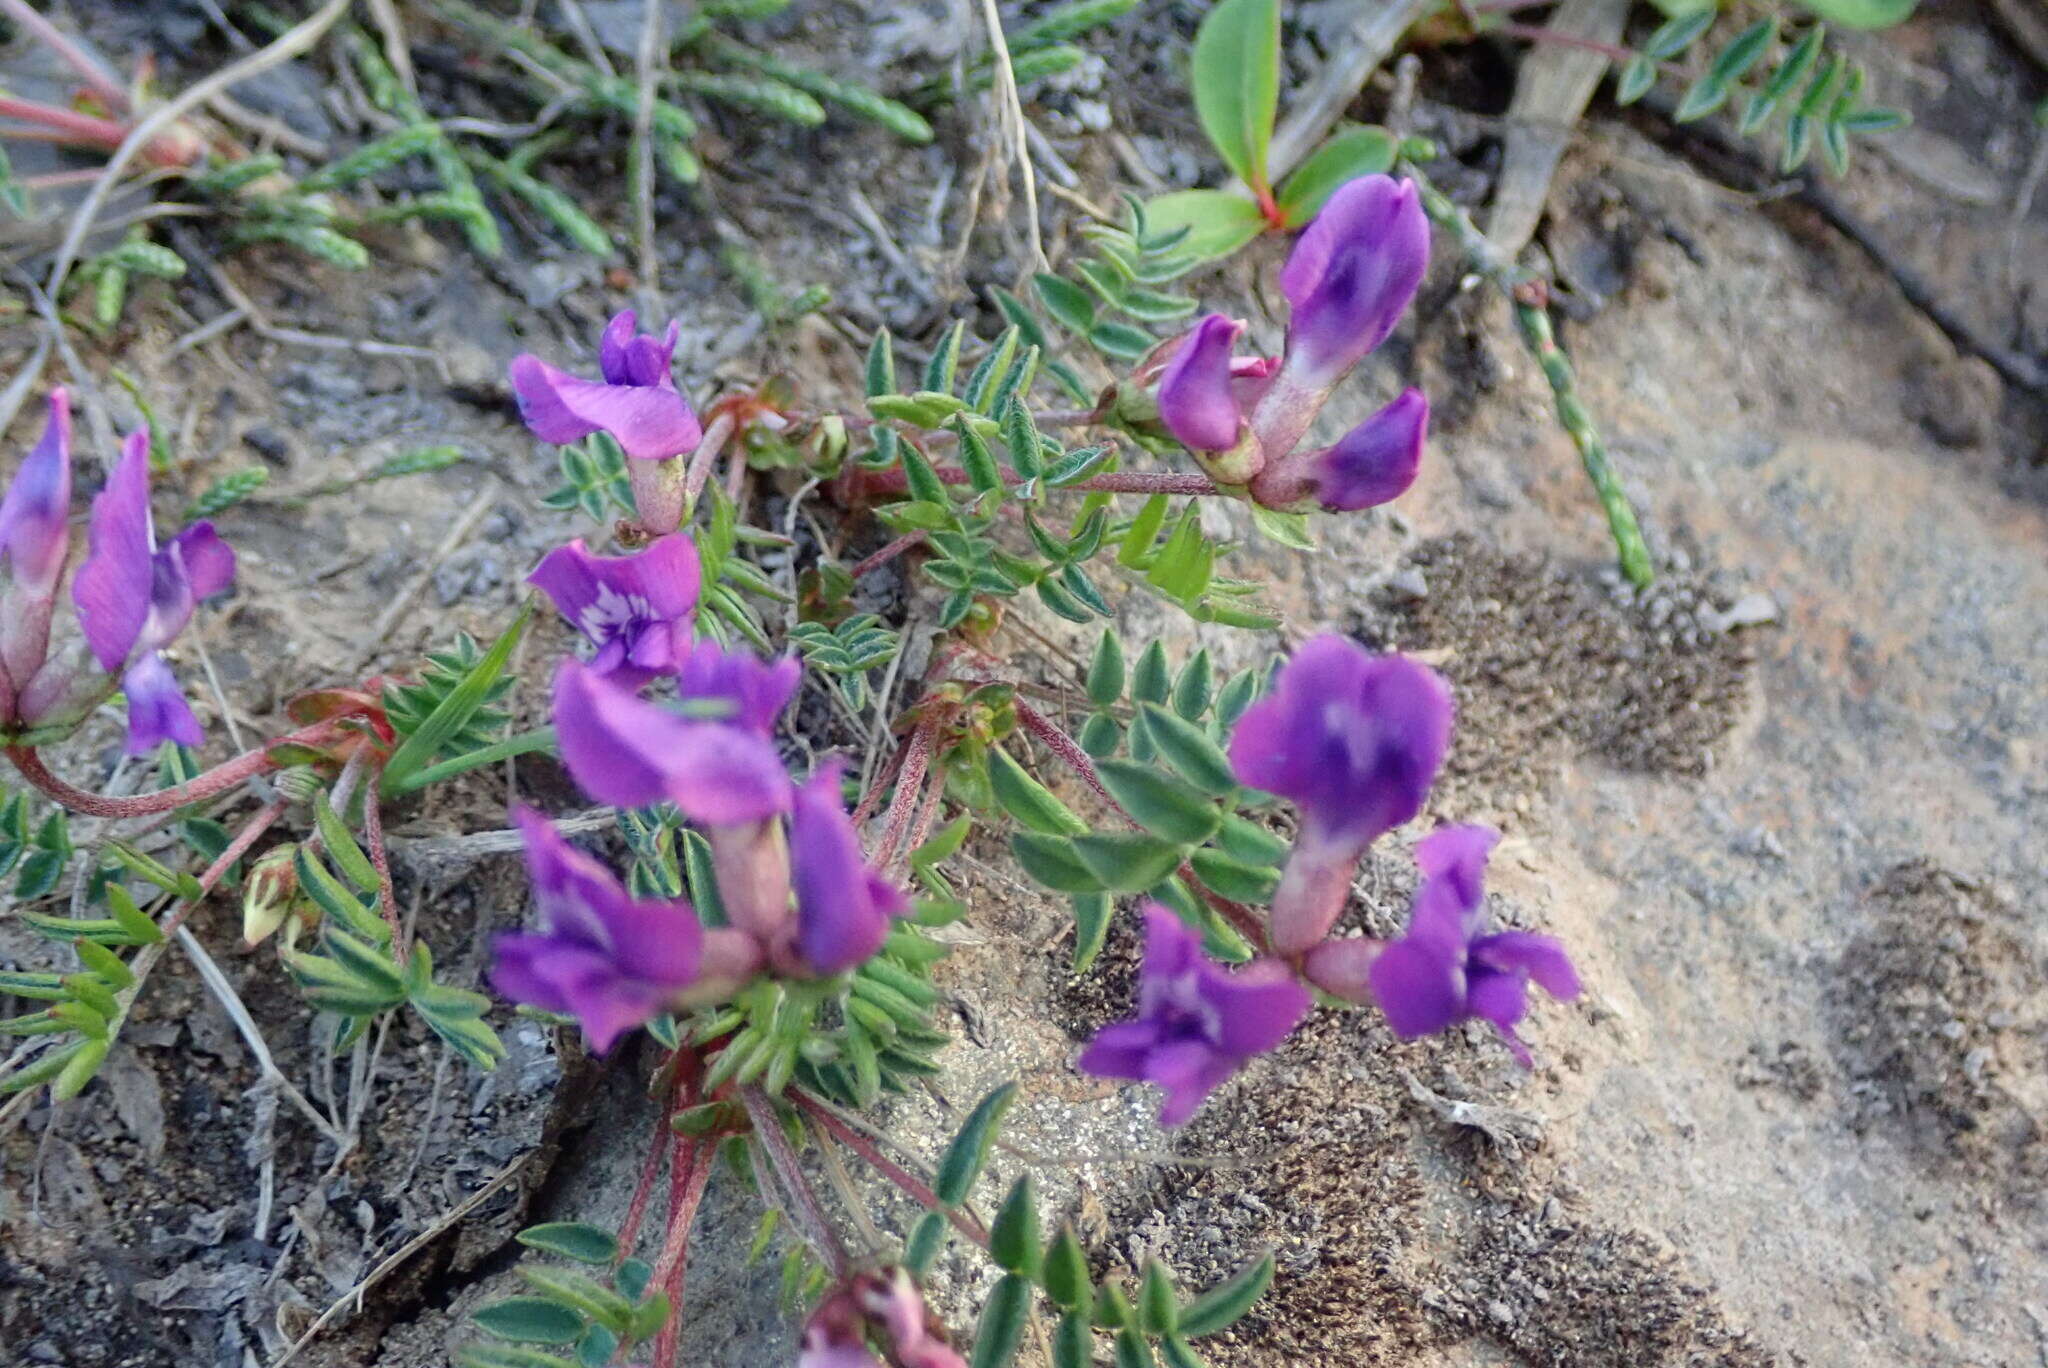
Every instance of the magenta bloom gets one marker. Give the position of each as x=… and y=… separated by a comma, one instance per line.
x=636, y=610
x=755, y=691
x=1443, y=971
x=1352, y=274
x=134, y=597
x=1354, y=741
x=35, y=540
x=887, y=1305
x=1197, y=1022
x=607, y=959
x=843, y=908
x=637, y=402
x=1195, y=398
x=624, y=750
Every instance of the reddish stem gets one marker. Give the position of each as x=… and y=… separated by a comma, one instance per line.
x=1046, y=730
x=217, y=780
x=387, y=897
x=887, y=1167
x=236, y=849
x=102, y=81
x=890, y=769
x=688, y=1175
x=908, y=786
x=701, y=460
x=927, y=812
x=770, y=1140
x=1069, y=751
x=1533, y=33
x=888, y=553
x=1120, y=482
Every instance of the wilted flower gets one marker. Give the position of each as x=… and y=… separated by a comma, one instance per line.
x=637, y=402
x=1374, y=463
x=843, y=908
x=1197, y=1022
x=134, y=597
x=35, y=540
x=1350, y=277
x=635, y=609
x=269, y=891
x=608, y=959
x=886, y=1305
x=1354, y=741
x=1443, y=970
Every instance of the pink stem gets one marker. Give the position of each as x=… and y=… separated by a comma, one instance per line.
x=219, y=779
x=704, y=456
x=887, y=1167
x=236, y=849
x=78, y=59
x=803, y=1200
x=908, y=787
x=689, y=1173
x=86, y=128
x=891, y=767
x=1532, y=33
x=888, y=553
x=387, y=897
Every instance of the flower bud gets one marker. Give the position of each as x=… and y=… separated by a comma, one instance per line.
x=298, y=783
x=268, y=894
x=1199, y=405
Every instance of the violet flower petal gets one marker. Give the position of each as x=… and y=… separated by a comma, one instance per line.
x=1541, y=958
x=839, y=922
x=1376, y=461
x=112, y=588
x=636, y=609
x=157, y=710
x=756, y=691
x=1197, y=1023
x=651, y=422
x=34, y=531
x=1353, y=739
x=1195, y=398
x=1352, y=274
x=1420, y=985
x=625, y=751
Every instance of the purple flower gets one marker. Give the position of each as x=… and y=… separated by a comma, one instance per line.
x=1354, y=741
x=1352, y=275
x=624, y=750
x=1197, y=1023
x=1372, y=464
x=886, y=1303
x=1195, y=398
x=1443, y=970
x=843, y=908
x=754, y=690
x=35, y=539
x=635, y=609
x=607, y=959
x=637, y=402
x=134, y=597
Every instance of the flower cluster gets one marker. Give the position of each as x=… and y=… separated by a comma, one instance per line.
x=883, y=1308
x=132, y=596
x=1351, y=276
x=1354, y=741
x=795, y=895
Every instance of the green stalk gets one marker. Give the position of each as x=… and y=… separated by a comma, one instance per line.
x=1529, y=294
x=524, y=743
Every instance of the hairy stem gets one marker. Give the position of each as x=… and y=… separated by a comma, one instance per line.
x=1530, y=296
x=911, y=1186
x=215, y=781
x=803, y=1199
x=380, y=859
x=887, y=553
x=909, y=784
x=689, y=1174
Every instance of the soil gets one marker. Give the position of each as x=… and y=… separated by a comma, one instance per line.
x=1785, y=807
